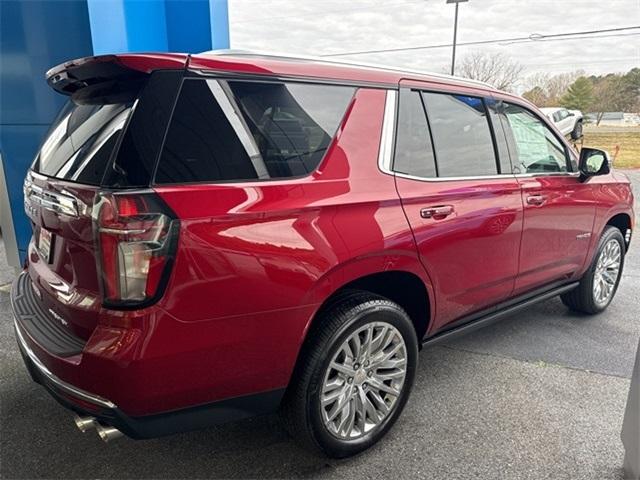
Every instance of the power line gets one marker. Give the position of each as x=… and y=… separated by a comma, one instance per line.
x=586, y=37
x=532, y=38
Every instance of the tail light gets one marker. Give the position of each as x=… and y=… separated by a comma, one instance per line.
x=136, y=241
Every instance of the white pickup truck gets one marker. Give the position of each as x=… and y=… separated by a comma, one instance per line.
x=569, y=122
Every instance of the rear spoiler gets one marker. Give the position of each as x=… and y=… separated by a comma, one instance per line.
x=70, y=77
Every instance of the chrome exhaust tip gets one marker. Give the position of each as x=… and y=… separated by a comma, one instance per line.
x=84, y=424
x=108, y=433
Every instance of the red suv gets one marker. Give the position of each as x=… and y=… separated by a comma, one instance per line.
x=222, y=235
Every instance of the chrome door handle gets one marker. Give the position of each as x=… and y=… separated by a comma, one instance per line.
x=436, y=212
x=536, y=199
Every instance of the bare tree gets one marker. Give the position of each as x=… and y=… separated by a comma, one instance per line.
x=495, y=68
x=538, y=79
x=558, y=85
x=545, y=90
x=537, y=96
x=611, y=96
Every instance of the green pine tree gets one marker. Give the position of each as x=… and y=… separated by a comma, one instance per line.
x=579, y=95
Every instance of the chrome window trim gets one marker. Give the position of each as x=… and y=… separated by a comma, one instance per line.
x=549, y=174
x=385, y=151
x=387, y=140
x=62, y=385
x=453, y=179
x=486, y=177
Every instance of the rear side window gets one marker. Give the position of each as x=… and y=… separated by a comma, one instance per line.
x=414, y=153
x=225, y=130
x=461, y=135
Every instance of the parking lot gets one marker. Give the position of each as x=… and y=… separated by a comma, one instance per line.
x=538, y=395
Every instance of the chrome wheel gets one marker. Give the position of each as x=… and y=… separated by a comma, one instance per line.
x=363, y=381
x=607, y=272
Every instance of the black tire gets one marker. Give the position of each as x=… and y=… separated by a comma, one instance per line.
x=301, y=408
x=576, y=133
x=581, y=299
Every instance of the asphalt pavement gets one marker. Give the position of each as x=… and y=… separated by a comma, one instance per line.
x=539, y=395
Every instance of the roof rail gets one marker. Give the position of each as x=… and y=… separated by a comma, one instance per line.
x=284, y=56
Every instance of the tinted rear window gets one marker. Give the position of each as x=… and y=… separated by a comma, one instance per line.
x=240, y=130
x=461, y=135
x=414, y=153
x=81, y=140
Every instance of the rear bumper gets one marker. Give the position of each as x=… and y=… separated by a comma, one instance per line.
x=39, y=322
x=41, y=374
x=151, y=426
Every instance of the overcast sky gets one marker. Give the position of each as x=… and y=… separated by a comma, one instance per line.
x=333, y=26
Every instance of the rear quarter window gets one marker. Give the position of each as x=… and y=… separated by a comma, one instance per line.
x=227, y=130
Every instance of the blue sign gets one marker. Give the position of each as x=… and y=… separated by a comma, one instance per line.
x=37, y=35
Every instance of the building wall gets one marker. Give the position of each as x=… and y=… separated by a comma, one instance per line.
x=37, y=35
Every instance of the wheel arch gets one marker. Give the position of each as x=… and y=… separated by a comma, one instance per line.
x=400, y=278
x=402, y=287
x=622, y=221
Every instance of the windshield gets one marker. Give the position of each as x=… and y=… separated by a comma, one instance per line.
x=81, y=140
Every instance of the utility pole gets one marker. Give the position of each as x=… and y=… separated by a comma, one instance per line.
x=455, y=34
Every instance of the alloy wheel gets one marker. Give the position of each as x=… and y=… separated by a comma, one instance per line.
x=607, y=271
x=363, y=381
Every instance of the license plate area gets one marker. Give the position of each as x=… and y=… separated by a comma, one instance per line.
x=45, y=240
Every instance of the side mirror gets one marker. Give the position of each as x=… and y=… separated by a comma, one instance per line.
x=571, y=114
x=593, y=162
